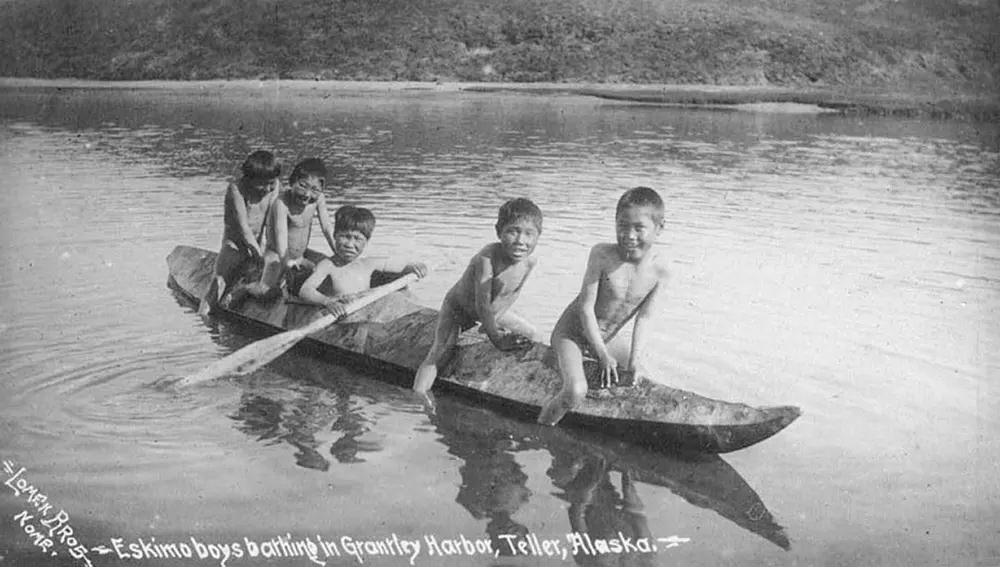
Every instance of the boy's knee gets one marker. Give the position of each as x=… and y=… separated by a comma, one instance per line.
x=575, y=393
x=263, y=291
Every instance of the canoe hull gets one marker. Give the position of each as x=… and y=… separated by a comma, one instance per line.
x=392, y=336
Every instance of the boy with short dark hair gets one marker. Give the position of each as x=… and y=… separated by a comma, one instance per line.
x=290, y=227
x=348, y=271
x=488, y=287
x=622, y=281
x=245, y=210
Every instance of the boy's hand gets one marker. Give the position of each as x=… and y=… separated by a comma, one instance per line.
x=418, y=268
x=336, y=308
x=511, y=342
x=254, y=250
x=609, y=371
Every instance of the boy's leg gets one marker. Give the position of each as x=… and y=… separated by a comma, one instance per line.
x=574, y=382
x=270, y=279
x=229, y=259
x=445, y=337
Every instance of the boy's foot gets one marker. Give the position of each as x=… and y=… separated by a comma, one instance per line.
x=204, y=308
x=234, y=297
x=426, y=399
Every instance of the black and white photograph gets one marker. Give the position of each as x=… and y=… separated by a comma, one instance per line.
x=499, y=283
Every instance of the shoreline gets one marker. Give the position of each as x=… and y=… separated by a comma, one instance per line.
x=734, y=97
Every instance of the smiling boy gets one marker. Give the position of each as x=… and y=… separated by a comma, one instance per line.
x=290, y=227
x=348, y=271
x=622, y=280
x=488, y=287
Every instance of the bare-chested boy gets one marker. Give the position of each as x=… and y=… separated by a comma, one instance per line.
x=488, y=287
x=244, y=212
x=622, y=281
x=348, y=271
x=290, y=227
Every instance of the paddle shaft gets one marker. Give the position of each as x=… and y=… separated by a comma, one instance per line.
x=257, y=354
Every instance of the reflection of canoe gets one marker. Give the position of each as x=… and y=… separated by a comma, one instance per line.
x=394, y=334
x=706, y=481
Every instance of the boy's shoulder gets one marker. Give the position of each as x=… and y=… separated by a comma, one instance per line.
x=660, y=265
x=485, y=253
x=604, y=252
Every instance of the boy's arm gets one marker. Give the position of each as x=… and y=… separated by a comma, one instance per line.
x=279, y=222
x=325, y=224
x=483, y=282
x=639, y=330
x=588, y=316
x=397, y=266
x=310, y=289
x=234, y=200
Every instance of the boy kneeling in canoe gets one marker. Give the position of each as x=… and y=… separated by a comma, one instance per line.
x=246, y=207
x=622, y=281
x=349, y=273
x=488, y=287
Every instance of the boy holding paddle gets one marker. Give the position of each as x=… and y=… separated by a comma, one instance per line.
x=622, y=281
x=348, y=271
x=245, y=209
x=488, y=287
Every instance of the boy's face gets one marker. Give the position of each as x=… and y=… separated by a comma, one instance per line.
x=518, y=238
x=637, y=231
x=349, y=244
x=307, y=189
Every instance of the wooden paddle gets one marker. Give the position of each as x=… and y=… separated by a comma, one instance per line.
x=256, y=355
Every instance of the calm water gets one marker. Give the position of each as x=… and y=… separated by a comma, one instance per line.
x=848, y=266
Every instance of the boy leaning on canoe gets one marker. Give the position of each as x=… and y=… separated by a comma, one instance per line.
x=489, y=286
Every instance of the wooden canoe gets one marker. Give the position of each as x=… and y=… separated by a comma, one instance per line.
x=393, y=335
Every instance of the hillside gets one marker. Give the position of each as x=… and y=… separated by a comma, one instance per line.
x=944, y=47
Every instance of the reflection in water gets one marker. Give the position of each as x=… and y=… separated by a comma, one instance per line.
x=598, y=510
x=495, y=486
x=297, y=413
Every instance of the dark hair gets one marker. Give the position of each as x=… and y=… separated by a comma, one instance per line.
x=309, y=167
x=517, y=209
x=354, y=218
x=261, y=165
x=641, y=197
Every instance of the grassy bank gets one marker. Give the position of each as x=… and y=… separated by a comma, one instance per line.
x=936, y=48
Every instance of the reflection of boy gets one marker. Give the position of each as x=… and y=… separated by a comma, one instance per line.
x=488, y=287
x=290, y=226
x=597, y=510
x=348, y=271
x=622, y=281
x=244, y=212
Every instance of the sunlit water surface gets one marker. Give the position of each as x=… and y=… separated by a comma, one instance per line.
x=849, y=266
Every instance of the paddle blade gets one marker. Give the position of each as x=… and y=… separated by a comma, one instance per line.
x=255, y=355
